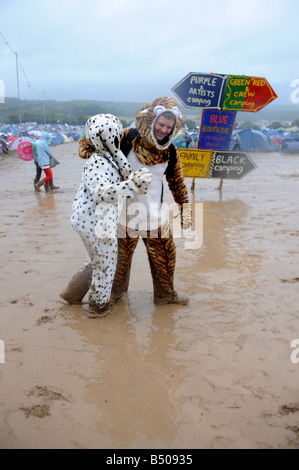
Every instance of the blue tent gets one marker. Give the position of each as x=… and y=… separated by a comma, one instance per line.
x=290, y=145
x=56, y=138
x=251, y=140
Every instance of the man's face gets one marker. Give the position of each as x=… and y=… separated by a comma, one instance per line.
x=163, y=127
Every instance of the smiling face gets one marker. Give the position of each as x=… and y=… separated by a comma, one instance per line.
x=158, y=123
x=163, y=127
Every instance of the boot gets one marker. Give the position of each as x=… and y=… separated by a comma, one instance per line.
x=97, y=311
x=175, y=298
x=52, y=186
x=38, y=185
x=118, y=290
x=165, y=294
x=78, y=286
x=47, y=188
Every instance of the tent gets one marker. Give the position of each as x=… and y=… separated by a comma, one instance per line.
x=57, y=138
x=4, y=145
x=290, y=145
x=18, y=140
x=180, y=143
x=251, y=140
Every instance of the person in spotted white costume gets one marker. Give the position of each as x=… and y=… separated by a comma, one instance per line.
x=107, y=178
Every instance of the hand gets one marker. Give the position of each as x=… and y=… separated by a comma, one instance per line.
x=142, y=180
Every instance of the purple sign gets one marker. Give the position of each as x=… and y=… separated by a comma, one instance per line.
x=201, y=90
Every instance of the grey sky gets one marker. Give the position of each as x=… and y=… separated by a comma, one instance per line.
x=135, y=50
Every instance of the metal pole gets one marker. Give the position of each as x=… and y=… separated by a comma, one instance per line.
x=18, y=86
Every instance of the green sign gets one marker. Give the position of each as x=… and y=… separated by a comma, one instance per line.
x=248, y=94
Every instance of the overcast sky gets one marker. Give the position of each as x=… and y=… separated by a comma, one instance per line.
x=136, y=50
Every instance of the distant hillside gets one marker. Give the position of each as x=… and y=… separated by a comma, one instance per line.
x=77, y=112
x=71, y=112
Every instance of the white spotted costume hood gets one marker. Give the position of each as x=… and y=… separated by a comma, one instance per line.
x=105, y=131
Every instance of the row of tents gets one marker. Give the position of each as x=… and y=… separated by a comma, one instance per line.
x=12, y=135
x=250, y=140
x=284, y=140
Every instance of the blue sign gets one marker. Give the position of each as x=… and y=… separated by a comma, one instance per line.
x=201, y=90
x=216, y=129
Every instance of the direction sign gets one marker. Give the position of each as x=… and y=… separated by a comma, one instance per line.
x=231, y=165
x=216, y=129
x=248, y=94
x=196, y=163
x=201, y=90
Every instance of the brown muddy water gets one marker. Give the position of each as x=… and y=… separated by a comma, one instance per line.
x=220, y=373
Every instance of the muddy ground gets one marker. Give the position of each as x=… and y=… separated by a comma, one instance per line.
x=220, y=373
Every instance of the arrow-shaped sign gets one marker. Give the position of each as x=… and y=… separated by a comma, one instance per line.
x=196, y=163
x=231, y=165
x=248, y=94
x=201, y=90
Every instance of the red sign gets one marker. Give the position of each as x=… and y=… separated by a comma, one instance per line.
x=248, y=94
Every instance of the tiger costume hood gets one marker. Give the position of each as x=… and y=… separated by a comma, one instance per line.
x=145, y=145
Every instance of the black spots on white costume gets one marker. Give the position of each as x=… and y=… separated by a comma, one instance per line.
x=107, y=179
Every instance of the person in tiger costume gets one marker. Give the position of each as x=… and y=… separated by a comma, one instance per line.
x=149, y=146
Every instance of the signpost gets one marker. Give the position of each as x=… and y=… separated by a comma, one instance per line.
x=248, y=94
x=231, y=165
x=196, y=163
x=216, y=129
x=220, y=96
x=201, y=90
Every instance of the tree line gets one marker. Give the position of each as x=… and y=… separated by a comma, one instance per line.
x=14, y=111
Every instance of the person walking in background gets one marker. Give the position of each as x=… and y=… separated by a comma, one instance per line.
x=38, y=168
x=42, y=162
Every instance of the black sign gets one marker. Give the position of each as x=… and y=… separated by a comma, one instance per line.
x=231, y=165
